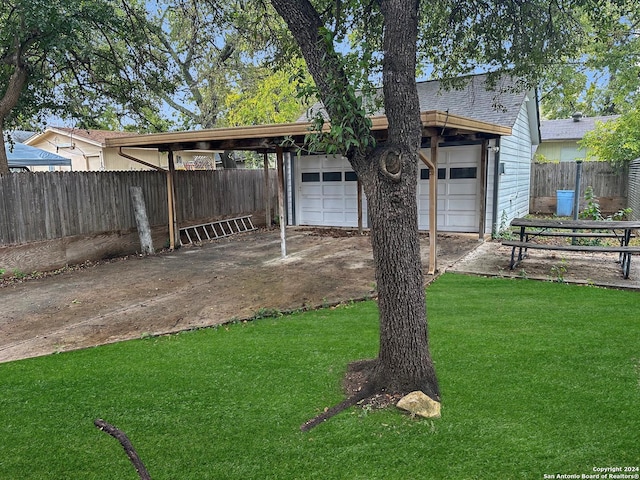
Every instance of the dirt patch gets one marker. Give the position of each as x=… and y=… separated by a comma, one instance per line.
x=238, y=278
x=598, y=269
x=198, y=286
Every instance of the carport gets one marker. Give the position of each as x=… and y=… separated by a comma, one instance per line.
x=437, y=126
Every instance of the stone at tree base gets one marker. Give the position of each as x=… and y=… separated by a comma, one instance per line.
x=417, y=403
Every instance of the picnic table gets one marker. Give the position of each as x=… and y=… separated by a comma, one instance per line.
x=531, y=230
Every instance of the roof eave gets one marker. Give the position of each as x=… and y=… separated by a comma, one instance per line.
x=257, y=137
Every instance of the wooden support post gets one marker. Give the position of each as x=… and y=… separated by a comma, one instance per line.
x=432, y=163
x=484, y=163
x=281, y=201
x=359, y=207
x=171, y=203
x=267, y=192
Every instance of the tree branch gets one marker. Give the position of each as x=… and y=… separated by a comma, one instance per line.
x=126, y=444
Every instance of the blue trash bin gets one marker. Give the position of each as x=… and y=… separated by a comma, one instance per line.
x=564, y=206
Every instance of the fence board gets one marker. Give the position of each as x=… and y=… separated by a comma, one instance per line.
x=609, y=186
x=48, y=205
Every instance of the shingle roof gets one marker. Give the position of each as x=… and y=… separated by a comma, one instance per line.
x=20, y=136
x=475, y=100
x=568, y=129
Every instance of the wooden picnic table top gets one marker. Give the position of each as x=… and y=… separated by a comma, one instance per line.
x=576, y=224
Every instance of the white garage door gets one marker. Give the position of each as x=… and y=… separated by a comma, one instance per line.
x=327, y=195
x=458, y=190
x=327, y=192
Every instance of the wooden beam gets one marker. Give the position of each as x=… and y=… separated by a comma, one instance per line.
x=484, y=160
x=137, y=160
x=267, y=192
x=267, y=136
x=171, y=203
x=281, y=202
x=432, y=163
x=359, y=206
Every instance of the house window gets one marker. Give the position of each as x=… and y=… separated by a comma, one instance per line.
x=466, y=172
x=311, y=177
x=331, y=176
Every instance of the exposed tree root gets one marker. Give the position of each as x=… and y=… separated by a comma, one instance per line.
x=366, y=392
x=364, y=385
x=126, y=444
x=356, y=386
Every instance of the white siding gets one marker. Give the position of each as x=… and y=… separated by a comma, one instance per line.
x=513, y=186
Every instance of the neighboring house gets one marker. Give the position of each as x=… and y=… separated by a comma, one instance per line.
x=559, y=138
x=322, y=188
x=87, y=151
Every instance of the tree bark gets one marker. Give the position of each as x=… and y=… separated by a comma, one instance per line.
x=404, y=361
x=8, y=102
x=126, y=444
x=389, y=177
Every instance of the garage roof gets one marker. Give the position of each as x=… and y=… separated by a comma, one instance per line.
x=267, y=137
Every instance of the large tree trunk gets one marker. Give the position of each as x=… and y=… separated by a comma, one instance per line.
x=9, y=100
x=404, y=361
x=389, y=178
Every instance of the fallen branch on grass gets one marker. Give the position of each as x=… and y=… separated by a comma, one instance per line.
x=126, y=444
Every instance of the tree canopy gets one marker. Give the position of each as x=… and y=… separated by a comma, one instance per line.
x=218, y=52
x=74, y=59
x=616, y=141
x=605, y=78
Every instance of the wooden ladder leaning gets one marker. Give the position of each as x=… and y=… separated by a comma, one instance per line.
x=215, y=230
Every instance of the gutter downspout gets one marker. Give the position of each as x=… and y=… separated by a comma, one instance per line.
x=496, y=188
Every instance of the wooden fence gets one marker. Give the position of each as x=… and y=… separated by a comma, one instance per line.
x=609, y=186
x=78, y=216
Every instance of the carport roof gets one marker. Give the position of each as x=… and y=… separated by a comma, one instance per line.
x=267, y=137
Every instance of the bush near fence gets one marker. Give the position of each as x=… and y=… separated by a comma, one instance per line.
x=609, y=186
x=52, y=219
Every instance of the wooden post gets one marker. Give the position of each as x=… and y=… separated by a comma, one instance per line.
x=484, y=161
x=281, y=202
x=267, y=192
x=432, y=163
x=359, y=207
x=171, y=203
x=142, y=221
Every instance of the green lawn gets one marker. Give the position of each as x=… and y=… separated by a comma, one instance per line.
x=537, y=378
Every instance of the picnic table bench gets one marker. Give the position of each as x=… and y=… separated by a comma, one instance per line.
x=532, y=229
